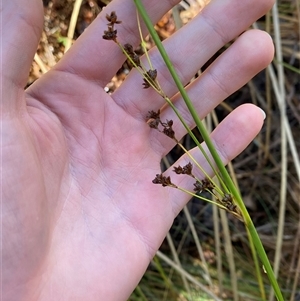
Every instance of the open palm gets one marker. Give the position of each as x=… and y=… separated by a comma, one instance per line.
x=81, y=218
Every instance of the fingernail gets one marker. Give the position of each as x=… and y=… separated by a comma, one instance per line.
x=263, y=113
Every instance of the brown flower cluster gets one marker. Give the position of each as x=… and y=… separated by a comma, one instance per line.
x=135, y=58
x=227, y=201
x=111, y=32
x=163, y=180
x=185, y=170
x=200, y=186
x=153, y=120
x=150, y=77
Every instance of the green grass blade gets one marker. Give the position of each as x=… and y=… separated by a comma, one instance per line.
x=227, y=179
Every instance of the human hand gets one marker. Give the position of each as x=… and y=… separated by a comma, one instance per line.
x=81, y=218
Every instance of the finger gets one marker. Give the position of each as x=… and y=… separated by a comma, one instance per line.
x=250, y=53
x=98, y=60
x=230, y=138
x=220, y=22
x=23, y=21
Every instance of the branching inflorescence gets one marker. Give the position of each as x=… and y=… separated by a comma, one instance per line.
x=223, y=199
x=225, y=195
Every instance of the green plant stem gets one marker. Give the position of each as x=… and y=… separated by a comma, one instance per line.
x=140, y=292
x=248, y=222
x=257, y=267
x=161, y=271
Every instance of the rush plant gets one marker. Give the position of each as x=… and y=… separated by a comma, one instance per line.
x=226, y=196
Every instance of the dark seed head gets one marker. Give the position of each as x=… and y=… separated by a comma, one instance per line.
x=205, y=184
x=198, y=187
x=112, y=18
x=136, y=59
x=152, y=74
x=146, y=85
x=168, y=131
x=110, y=34
x=153, y=115
x=178, y=170
x=128, y=48
x=185, y=170
x=153, y=124
x=164, y=181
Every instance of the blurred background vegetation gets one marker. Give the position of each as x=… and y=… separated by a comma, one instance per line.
x=206, y=255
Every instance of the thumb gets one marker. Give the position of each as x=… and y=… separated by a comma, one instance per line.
x=21, y=26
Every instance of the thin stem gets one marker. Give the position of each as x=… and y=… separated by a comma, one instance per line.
x=283, y=141
x=143, y=41
x=257, y=266
x=72, y=25
x=200, y=197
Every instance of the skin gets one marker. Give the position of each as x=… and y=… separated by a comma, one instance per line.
x=81, y=218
